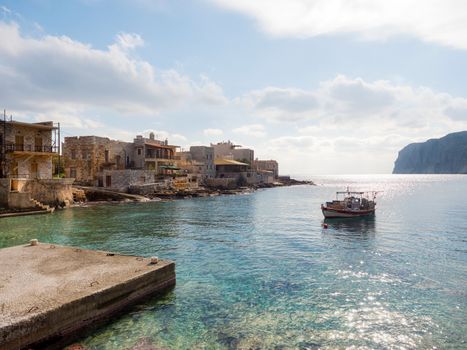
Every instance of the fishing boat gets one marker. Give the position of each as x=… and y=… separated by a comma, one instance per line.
x=350, y=204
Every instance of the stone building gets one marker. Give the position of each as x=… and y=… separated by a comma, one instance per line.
x=267, y=165
x=27, y=149
x=228, y=150
x=119, y=165
x=197, y=164
x=152, y=154
x=87, y=157
x=231, y=174
x=26, y=168
x=204, y=155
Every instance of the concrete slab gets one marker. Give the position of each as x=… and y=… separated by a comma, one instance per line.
x=48, y=292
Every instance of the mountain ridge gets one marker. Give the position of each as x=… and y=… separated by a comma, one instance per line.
x=446, y=155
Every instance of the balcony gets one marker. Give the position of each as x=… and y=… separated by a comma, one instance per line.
x=153, y=157
x=30, y=148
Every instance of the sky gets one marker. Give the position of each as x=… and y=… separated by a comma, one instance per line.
x=322, y=86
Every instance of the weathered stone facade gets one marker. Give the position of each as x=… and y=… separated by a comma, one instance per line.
x=197, y=165
x=86, y=157
x=267, y=165
x=152, y=154
x=21, y=193
x=100, y=161
x=27, y=150
x=122, y=180
x=205, y=157
x=53, y=192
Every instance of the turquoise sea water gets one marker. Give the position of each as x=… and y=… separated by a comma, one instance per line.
x=258, y=271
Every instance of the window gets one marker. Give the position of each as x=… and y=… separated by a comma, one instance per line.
x=139, y=151
x=73, y=154
x=106, y=155
x=73, y=173
x=38, y=144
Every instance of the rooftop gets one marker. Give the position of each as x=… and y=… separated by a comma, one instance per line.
x=41, y=126
x=228, y=162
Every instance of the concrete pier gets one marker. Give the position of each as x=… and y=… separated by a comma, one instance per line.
x=49, y=292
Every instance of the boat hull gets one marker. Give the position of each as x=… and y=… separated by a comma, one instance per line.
x=342, y=213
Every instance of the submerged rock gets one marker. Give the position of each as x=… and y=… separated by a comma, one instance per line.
x=146, y=344
x=76, y=346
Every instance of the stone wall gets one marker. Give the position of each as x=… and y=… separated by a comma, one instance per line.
x=121, y=180
x=4, y=191
x=225, y=183
x=20, y=200
x=148, y=189
x=53, y=192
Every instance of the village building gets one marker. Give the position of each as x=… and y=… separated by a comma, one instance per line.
x=232, y=173
x=152, y=154
x=119, y=165
x=195, y=166
x=87, y=157
x=204, y=156
x=198, y=162
x=228, y=150
x=267, y=166
x=26, y=171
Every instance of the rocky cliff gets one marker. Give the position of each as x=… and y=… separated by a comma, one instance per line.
x=447, y=155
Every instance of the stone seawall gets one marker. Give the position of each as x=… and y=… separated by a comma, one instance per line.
x=53, y=192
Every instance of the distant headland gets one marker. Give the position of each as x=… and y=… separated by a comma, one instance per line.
x=446, y=155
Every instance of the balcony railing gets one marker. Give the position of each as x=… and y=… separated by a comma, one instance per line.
x=159, y=156
x=31, y=148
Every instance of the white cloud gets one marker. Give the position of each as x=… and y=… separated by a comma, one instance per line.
x=350, y=119
x=129, y=41
x=212, y=132
x=274, y=102
x=52, y=73
x=253, y=130
x=346, y=100
x=5, y=10
x=438, y=21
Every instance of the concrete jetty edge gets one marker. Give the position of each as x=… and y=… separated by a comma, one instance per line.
x=54, y=327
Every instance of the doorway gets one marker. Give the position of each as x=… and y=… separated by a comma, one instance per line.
x=34, y=170
x=38, y=144
x=108, y=181
x=19, y=143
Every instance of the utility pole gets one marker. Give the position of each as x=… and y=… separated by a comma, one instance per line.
x=2, y=165
x=59, y=150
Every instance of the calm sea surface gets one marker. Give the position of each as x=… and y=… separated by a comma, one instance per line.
x=258, y=271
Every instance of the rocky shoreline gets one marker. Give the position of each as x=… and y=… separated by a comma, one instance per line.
x=93, y=195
